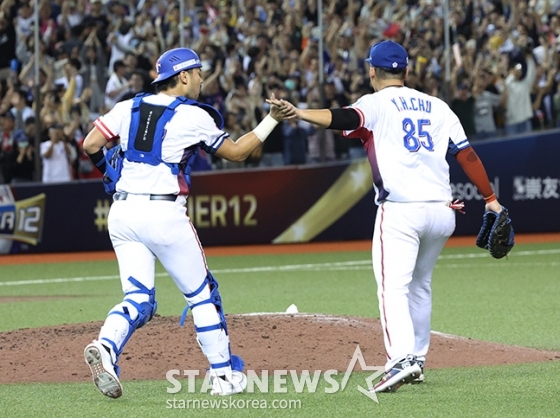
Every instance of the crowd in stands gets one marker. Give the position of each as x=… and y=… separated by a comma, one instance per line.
x=94, y=53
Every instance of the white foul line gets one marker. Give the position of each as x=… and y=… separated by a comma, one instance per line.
x=343, y=265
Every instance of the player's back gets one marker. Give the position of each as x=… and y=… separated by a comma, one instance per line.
x=407, y=134
x=187, y=127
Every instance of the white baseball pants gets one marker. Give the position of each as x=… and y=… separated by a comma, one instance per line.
x=142, y=230
x=407, y=240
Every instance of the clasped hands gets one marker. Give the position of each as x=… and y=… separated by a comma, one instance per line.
x=281, y=109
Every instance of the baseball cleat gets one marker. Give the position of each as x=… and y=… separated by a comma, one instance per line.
x=419, y=379
x=102, y=370
x=229, y=384
x=403, y=372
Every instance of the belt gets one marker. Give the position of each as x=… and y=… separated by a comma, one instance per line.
x=126, y=195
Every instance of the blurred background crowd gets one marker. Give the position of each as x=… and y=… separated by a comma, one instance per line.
x=502, y=76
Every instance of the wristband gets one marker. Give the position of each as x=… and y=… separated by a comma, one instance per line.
x=264, y=128
x=490, y=198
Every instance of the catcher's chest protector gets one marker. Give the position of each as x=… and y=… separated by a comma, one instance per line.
x=146, y=135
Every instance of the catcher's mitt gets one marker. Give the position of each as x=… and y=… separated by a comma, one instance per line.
x=496, y=234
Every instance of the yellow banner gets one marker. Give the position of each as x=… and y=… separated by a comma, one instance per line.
x=23, y=220
x=354, y=183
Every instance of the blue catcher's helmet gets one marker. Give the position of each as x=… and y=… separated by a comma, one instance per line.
x=174, y=61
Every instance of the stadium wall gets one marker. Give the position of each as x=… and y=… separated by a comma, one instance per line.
x=330, y=202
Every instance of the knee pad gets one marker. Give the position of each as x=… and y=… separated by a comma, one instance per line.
x=138, y=308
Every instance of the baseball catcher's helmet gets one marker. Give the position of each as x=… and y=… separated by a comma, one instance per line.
x=174, y=61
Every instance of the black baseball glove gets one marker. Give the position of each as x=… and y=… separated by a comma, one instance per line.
x=496, y=234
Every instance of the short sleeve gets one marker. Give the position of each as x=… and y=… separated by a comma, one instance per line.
x=210, y=136
x=457, y=136
x=364, y=107
x=110, y=123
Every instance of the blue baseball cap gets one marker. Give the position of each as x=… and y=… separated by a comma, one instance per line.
x=388, y=54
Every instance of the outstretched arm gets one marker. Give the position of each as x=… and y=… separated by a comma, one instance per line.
x=338, y=119
x=244, y=146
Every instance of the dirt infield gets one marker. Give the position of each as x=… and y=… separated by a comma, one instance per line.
x=265, y=341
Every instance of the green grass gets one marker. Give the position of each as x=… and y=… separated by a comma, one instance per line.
x=506, y=391
x=511, y=301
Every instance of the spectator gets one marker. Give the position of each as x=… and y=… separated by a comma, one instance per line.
x=485, y=102
x=137, y=84
x=58, y=156
x=47, y=25
x=7, y=147
x=117, y=86
x=519, y=108
x=70, y=15
x=7, y=43
x=212, y=92
x=72, y=70
x=250, y=49
x=19, y=109
x=71, y=40
x=120, y=42
x=94, y=71
x=46, y=75
x=23, y=167
x=51, y=106
x=98, y=19
x=463, y=106
x=295, y=143
x=540, y=99
x=25, y=19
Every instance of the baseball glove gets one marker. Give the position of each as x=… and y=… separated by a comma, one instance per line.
x=496, y=234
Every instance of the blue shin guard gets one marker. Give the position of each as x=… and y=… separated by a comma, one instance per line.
x=196, y=299
x=136, y=310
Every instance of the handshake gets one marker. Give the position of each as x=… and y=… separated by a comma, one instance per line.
x=281, y=109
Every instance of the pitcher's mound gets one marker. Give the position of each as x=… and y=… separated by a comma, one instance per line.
x=264, y=341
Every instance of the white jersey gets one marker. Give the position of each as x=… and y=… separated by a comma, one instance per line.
x=406, y=135
x=189, y=127
x=56, y=168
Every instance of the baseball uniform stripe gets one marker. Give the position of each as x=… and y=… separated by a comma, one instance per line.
x=104, y=129
x=368, y=140
x=218, y=143
x=463, y=144
x=362, y=118
x=199, y=245
x=383, y=276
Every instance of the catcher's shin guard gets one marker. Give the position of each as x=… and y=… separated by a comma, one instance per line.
x=137, y=308
x=210, y=326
